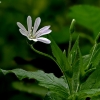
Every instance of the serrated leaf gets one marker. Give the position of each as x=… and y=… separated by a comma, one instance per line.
x=87, y=14
x=49, y=81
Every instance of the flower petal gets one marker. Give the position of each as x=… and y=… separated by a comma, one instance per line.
x=21, y=26
x=44, y=40
x=23, y=32
x=36, y=24
x=35, y=40
x=43, y=33
x=42, y=29
x=29, y=23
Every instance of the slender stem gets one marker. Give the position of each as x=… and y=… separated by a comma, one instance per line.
x=44, y=54
x=91, y=56
x=68, y=80
x=70, y=83
x=69, y=48
x=72, y=92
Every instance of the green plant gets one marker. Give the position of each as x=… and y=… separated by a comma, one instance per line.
x=80, y=73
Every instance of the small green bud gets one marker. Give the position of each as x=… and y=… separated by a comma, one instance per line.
x=72, y=26
x=64, y=52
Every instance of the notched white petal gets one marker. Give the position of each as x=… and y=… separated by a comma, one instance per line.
x=44, y=40
x=36, y=24
x=29, y=23
x=23, y=32
x=21, y=26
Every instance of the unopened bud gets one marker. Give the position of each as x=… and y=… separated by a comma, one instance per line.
x=72, y=26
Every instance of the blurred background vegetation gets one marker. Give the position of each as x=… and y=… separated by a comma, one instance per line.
x=15, y=53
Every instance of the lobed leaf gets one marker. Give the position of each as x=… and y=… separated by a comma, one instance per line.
x=49, y=81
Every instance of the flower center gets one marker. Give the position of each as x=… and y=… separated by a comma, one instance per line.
x=30, y=35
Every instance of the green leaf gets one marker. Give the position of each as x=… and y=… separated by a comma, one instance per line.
x=49, y=81
x=93, y=57
x=73, y=53
x=96, y=98
x=88, y=93
x=78, y=70
x=77, y=64
x=82, y=95
x=29, y=88
x=93, y=81
x=87, y=67
x=89, y=60
x=54, y=96
x=96, y=57
x=92, y=74
x=61, y=59
x=86, y=74
x=85, y=15
x=96, y=54
x=92, y=52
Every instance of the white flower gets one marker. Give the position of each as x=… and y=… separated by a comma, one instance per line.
x=32, y=33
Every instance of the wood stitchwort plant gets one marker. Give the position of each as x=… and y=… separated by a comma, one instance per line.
x=81, y=74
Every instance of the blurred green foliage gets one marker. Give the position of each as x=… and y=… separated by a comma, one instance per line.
x=14, y=51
